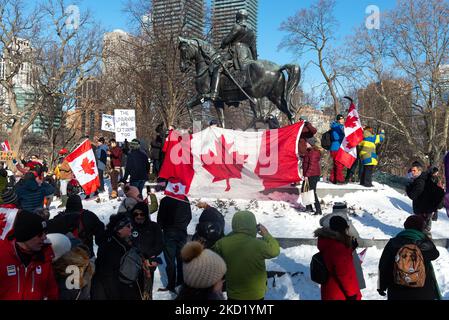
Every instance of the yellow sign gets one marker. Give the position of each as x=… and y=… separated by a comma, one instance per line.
x=7, y=155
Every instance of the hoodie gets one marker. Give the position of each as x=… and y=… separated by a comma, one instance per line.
x=244, y=254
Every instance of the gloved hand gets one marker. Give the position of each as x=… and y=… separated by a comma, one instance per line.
x=354, y=297
x=381, y=292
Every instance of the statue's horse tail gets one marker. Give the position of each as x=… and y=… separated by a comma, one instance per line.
x=294, y=76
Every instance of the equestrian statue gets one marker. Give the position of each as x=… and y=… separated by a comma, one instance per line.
x=234, y=75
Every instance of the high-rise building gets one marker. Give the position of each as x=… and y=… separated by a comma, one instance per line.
x=179, y=17
x=224, y=12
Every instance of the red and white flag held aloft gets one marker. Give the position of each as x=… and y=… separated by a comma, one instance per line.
x=83, y=165
x=347, y=153
x=232, y=164
x=5, y=146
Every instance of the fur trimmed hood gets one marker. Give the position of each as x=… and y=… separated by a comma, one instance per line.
x=327, y=233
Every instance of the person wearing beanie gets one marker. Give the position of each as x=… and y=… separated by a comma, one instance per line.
x=311, y=169
x=337, y=136
x=133, y=197
x=307, y=132
x=65, y=175
x=336, y=247
x=204, y=272
x=368, y=155
x=115, y=155
x=412, y=239
x=210, y=227
x=137, y=167
x=79, y=223
x=9, y=199
x=148, y=239
x=245, y=255
x=27, y=259
x=107, y=283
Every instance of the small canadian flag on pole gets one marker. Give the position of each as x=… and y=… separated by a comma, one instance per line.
x=347, y=153
x=83, y=165
x=5, y=146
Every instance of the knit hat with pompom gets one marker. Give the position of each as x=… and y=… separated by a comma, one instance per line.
x=202, y=267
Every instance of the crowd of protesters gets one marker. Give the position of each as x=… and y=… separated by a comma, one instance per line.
x=117, y=259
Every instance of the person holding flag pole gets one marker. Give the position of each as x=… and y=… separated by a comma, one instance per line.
x=347, y=154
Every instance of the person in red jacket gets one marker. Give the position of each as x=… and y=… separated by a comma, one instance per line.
x=26, y=271
x=311, y=169
x=336, y=247
x=116, y=154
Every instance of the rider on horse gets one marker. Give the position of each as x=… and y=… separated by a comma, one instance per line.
x=241, y=42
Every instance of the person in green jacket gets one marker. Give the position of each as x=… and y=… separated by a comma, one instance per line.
x=244, y=254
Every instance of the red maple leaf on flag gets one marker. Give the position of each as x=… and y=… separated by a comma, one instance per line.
x=351, y=122
x=88, y=167
x=176, y=188
x=2, y=222
x=224, y=165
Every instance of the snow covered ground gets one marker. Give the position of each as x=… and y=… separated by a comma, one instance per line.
x=377, y=213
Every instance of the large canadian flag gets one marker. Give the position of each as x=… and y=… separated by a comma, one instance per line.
x=347, y=153
x=5, y=146
x=7, y=217
x=225, y=163
x=83, y=165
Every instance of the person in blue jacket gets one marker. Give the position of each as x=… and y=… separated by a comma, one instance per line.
x=337, y=136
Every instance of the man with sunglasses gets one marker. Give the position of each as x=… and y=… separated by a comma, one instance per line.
x=26, y=271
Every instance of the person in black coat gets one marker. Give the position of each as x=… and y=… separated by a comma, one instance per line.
x=148, y=239
x=173, y=217
x=137, y=166
x=81, y=223
x=210, y=227
x=106, y=283
x=156, y=153
x=425, y=193
x=413, y=234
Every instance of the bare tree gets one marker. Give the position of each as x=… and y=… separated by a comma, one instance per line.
x=312, y=30
x=61, y=56
x=412, y=45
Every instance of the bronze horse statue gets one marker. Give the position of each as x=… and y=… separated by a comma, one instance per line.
x=260, y=79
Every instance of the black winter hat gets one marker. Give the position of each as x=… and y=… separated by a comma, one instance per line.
x=338, y=224
x=74, y=204
x=142, y=206
x=3, y=173
x=415, y=222
x=117, y=222
x=28, y=225
x=9, y=196
x=339, y=116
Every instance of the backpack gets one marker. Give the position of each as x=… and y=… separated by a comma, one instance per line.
x=326, y=140
x=409, y=270
x=130, y=266
x=318, y=269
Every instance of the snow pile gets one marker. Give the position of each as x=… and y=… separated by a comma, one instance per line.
x=377, y=213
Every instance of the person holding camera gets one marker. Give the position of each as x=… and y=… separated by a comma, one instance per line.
x=244, y=255
x=210, y=227
x=109, y=282
x=148, y=239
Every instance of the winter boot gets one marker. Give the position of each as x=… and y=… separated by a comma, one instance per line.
x=63, y=201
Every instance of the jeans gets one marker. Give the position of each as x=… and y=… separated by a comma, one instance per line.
x=100, y=175
x=173, y=243
x=114, y=179
x=139, y=184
